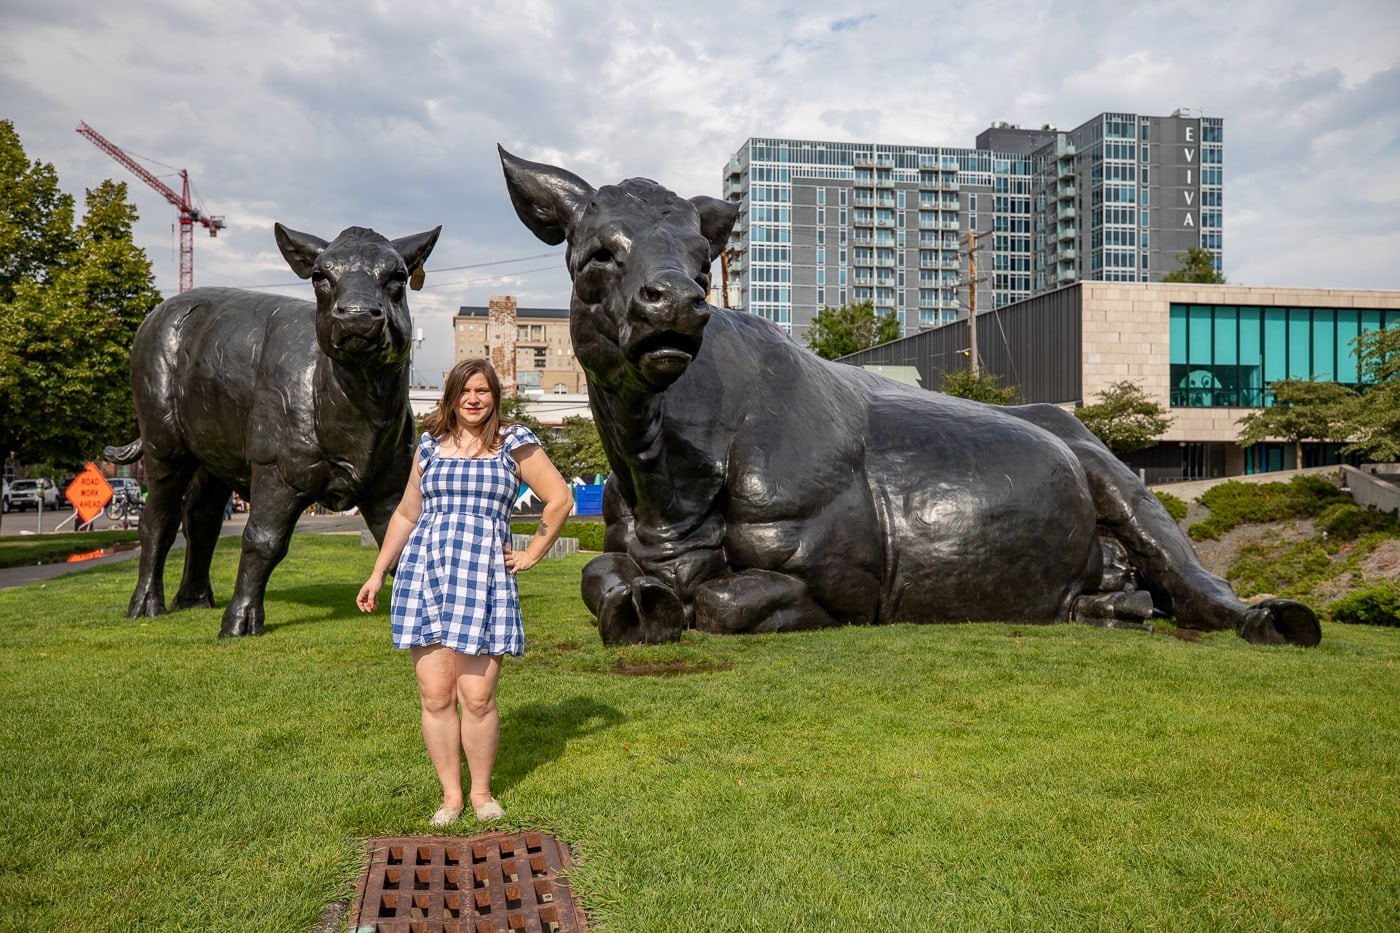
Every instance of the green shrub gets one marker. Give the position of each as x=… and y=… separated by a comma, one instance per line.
x=1234, y=503
x=1347, y=521
x=1379, y=605
x=589, y=534
x=1175, y=507
x=1282, y=568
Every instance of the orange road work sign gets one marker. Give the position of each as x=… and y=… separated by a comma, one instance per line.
x=89, y=493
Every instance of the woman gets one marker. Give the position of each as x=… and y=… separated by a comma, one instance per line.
x=454, y=602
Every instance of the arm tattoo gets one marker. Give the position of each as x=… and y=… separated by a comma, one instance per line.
x=542, y=530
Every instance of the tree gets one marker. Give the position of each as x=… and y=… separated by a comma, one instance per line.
x=578, y=449
x=517, y=408
x=1303, y=410
x=983, y=387
x=1197, y=265
x=1124, y=418
x=1375, y=423
x=837, y=332
x=36, y=218
x=70, y=302
x=66, y=342
x=575, y=447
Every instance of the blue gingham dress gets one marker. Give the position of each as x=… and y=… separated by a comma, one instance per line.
x=452, y=585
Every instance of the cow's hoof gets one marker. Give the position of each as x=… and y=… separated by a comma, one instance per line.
x=238, y=624
x=659, y=610
x=617, y=618
x=145, y=605
x=203, y=600
x=1281, y=622
x=645, y=611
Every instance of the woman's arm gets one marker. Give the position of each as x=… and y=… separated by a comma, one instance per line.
x=395, y=537
x=540, y=474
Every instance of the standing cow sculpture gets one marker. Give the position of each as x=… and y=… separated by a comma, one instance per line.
x=286, y=402
x=758, y=488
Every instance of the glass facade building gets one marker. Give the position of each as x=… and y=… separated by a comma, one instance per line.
x=1224, y=356
x=1206, y=352
x=927, y=233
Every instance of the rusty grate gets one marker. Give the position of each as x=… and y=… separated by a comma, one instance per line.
x=495, y=883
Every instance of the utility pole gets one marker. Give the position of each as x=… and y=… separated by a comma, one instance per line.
x=972, y=301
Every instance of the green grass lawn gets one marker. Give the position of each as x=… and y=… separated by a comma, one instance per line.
x=976, y=777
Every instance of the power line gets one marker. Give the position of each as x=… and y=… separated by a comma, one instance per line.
x=475, y=265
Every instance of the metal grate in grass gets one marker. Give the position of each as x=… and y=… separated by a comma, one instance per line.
x=494, y=883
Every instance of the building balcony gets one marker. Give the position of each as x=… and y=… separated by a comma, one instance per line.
x=1065, y=232
x=884, y=222
x=885, y=263
x=1065, y=254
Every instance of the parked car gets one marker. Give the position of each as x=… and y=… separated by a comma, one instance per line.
x=26, y=493
x=125, y=486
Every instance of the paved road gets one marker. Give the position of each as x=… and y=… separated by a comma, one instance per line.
x=11, y=577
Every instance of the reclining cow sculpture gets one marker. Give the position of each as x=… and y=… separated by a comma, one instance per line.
x=286, y=402
x=758, y=488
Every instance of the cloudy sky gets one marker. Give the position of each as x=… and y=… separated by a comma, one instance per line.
x=323, y=114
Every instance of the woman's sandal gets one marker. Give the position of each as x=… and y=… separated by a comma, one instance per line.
x=445, y=816
x=488, y=811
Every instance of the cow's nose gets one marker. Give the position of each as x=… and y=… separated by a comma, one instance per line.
x=672, y=293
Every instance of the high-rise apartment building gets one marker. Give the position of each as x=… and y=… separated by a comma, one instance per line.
x=927, y=232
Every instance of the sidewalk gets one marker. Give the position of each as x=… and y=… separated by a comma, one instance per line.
x=11, y=577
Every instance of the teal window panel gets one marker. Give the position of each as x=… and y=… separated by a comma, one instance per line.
x=1198, y=333
x=1348, y=329
x=1324, y=343
x=1299, y=355
x=1275, y=344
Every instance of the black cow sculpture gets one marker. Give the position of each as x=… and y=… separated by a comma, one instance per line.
x=286, y=402
x=758, y=488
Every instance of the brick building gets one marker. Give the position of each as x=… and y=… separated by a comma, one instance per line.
x=529, y=347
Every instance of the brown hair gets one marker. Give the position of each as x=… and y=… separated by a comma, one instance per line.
x=443, y=421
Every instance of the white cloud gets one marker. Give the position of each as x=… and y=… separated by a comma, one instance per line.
x=324, y=114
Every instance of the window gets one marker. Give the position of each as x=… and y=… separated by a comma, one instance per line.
x=1225, y=356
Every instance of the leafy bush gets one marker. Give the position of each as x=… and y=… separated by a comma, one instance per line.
x=1347, y=521
x=1379, y=605
x=1234, y=503
x=1175, y=507
x=589, y=534
x=1282, y=568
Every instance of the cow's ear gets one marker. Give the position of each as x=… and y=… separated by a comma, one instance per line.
x=547, y=199
x=716, y=220
x=299, y=249
x=414, y=250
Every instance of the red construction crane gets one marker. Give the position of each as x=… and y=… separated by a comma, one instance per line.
x=189, y=213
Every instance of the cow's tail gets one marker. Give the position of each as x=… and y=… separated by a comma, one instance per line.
x=129, y=453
